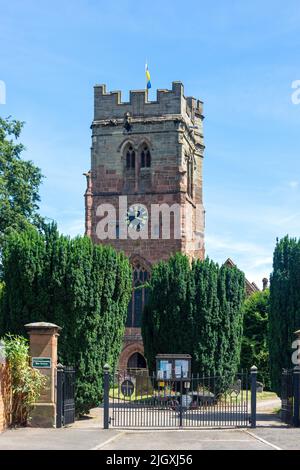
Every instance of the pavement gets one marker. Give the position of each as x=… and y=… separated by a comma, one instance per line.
x=54, y=439
x=98, y=439
x=87, y=434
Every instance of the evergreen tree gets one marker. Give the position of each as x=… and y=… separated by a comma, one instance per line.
x=166, y=321
x=231, y=294
x=1, y=298
x=195, y=310
x=284, y=306
x=82, y=287
x=205, y=316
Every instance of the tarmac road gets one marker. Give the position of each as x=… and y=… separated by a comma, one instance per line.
x=87, y=434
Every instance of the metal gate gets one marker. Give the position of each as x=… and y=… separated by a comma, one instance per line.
x=142, y=401
x=290, y=396
x=287, y=396
x=65, y=401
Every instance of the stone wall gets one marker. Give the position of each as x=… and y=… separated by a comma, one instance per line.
x=5, y=397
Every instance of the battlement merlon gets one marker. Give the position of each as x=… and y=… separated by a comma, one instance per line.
x=110, y=106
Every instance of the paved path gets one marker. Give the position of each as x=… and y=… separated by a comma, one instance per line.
x=88, y=434
x=97, y=439
x=54, y=439
x=186, y=440
x=269, y=405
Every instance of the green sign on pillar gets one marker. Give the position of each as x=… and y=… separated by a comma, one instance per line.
x=41, y=362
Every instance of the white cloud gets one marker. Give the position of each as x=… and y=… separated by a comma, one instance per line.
x=293, y=184
x=69, y=221
x=274, y=219
x=254, y=259
x=72, y=227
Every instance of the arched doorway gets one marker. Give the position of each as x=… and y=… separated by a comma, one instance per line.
x=136, y=361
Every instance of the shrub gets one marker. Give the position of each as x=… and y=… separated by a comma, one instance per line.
x=81, y=287
x=26, y=382
x=195, y=309
x=284, y=307
x=255, y=349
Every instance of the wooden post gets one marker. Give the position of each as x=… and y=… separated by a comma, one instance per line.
x=43, y=355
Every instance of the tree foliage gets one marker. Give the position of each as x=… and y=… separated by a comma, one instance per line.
x=82, y=287
x=255, y=348
x=195, y=309
x=26, y=383
x=1, y=294
x=284, y=306
x=19, y=181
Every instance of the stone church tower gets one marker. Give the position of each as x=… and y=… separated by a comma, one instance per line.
x=146, y=162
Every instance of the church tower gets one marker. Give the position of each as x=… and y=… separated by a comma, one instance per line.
x=144, y=189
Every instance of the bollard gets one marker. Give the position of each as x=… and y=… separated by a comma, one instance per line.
x=106, y=377
x=253, y=396
x=59, y=395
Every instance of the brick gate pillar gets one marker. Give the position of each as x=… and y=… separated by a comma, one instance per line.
x=43, y=354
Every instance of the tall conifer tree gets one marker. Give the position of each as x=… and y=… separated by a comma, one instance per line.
x=82, y=287
x=195, y=309
x=284, y=317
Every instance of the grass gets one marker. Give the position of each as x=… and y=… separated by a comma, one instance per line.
x=261, y=396
x=266, y=396
x=116, y=394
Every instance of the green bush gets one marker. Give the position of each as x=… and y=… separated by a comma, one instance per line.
x=1, y=300
x=82, y=287
x=195, y=309
x=255, y=350
x=284, y=307
x=26, y=382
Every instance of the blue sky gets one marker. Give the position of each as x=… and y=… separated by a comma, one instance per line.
x=240, y=58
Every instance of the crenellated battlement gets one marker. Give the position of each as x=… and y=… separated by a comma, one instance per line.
x=110, y=105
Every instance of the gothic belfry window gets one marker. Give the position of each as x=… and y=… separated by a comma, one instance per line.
x=190, y=176
x=130, y=158
x=145, y=157
x=139, y=296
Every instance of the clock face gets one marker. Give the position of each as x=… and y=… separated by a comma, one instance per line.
x=137, y=217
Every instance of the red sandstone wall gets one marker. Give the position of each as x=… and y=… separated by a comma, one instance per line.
x=5, y=397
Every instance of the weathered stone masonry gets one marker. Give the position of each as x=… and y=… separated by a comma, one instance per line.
x=171, y=129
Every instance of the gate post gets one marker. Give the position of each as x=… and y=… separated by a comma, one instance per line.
x=253, y=372
x=43, y=351
x=296, y=393
x=106, y=396
x=59, y=395
x=181, y=401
